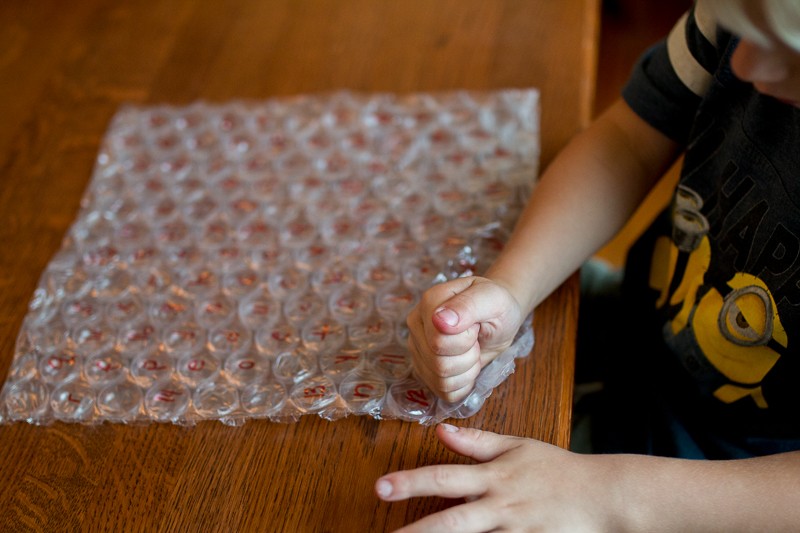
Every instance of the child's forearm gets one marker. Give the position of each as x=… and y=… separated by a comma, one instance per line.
x=660, y=494
x=582, y=200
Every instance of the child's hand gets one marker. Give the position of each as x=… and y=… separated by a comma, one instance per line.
x=522, y=485
x=458, y=328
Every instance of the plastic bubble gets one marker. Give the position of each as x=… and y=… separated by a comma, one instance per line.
x=215, y=399
x=232, y=337
x=167, y=401
x=396, y=301
x=391, y=362
x=373, y=332
x=120, y=401
x=411, y=400
x=137, y=337
x=215, y=310
x=363, y=391
x=112, y=283
x=263, y=399
x=104, y=368
x=59, y=367
x=81, y=310
x=127, y=308
x=331, y=277
x=198, y=368
x=26, y=400
x=313, y=394
x=247, y=368
x=350, y=304
x=293, y=367
x=73, y=402
x=340, y=229
x=421, y=272
x=287, y=281
x=255, y=232
x=300, y=308
x=259, y=309
x=184, y=337
x=167, y=308
x=277, y=338
x=375, y=272
x=89, y=339
x=298, y=232
x=337, y=364
x=23, y=367
x=199, y=281
x=323, y=335
x=153, y=367
x=314, y=256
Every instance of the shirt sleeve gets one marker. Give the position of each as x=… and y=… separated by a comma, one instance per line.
x=671, y=78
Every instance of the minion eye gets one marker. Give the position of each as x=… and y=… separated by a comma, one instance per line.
x=746, y=317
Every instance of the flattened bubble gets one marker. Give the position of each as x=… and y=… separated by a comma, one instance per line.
x=215, y=399
x=293, y=367
x=263, y=399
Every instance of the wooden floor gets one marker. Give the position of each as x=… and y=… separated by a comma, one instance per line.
x=628, y=28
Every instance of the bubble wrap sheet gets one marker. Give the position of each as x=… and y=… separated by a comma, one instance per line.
x=258, y=259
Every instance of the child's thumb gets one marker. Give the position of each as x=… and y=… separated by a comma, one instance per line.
x=475, y=304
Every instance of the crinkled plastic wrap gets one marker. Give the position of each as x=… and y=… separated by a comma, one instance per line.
x=258, y=259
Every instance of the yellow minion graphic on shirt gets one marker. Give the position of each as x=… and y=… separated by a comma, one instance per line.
x=728, y=337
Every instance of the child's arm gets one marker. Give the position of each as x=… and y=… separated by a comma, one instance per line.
x=582, y=200
x=527, y=485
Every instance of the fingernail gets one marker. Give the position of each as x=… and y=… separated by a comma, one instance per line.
x=383, y=488
x=448, y=315
x=449, y=427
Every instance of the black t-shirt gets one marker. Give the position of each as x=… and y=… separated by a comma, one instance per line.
x=714, y=285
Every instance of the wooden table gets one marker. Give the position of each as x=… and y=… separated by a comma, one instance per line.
x=64, y=70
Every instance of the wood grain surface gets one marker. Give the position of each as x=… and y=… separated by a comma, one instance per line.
x=66, y=67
